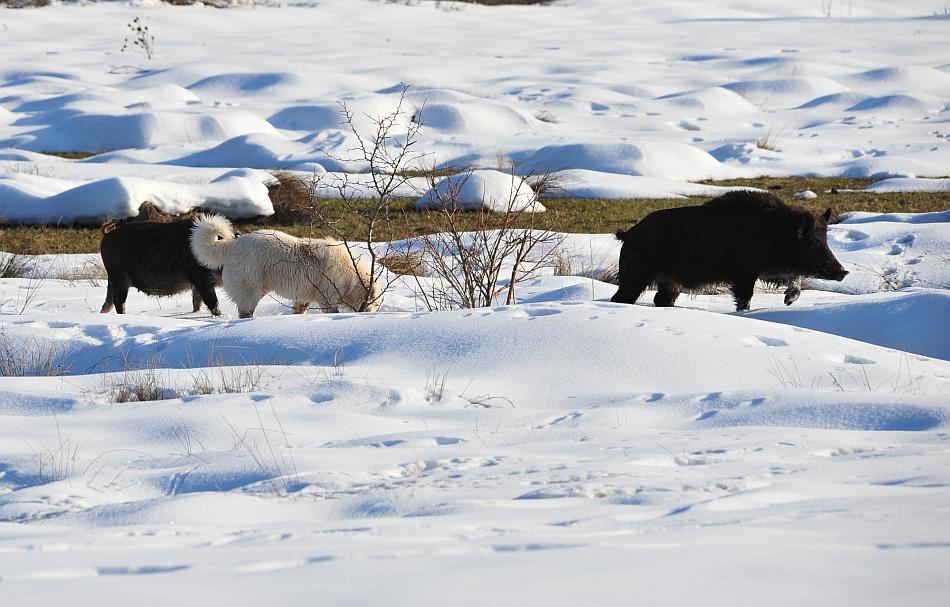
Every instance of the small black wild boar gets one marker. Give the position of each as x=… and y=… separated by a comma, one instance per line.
x=734, y=239
x=155, y=258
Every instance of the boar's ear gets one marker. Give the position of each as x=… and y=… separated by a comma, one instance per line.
x=827, y=215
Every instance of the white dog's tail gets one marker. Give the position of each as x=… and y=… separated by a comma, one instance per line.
x=209, y=237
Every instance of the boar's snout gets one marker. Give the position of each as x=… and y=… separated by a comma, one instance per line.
x=835, y=272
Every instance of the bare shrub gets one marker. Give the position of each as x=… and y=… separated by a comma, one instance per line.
x=891, y=278
x=475, y=257
x=140, y=39
x=389, y=152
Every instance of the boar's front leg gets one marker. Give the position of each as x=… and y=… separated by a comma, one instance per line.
x=793, y=288
x=742, y=288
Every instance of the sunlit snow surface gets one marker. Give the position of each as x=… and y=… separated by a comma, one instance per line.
x=561, y=451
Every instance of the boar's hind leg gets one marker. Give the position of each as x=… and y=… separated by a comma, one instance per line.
x=666, y=294
x=119, y=283
x=742, y=289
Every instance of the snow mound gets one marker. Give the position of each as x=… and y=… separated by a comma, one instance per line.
x=886, y=166
x=876, y=413
x=893, y=105
x=792, y=91
x=103, y=132
x=307, y=118
x=664, y=160
x=255, y=150
x=36, y=200
x=582, y=183
x=910, y=323
x=490, y=343
x=474, y=115
x=162, y=94
x=238, y=84
x=266, y=151
x=910, y=185
x=714, y=101
x=915, y=218
x=838, y=100
x=906, y=78
x=486, y=189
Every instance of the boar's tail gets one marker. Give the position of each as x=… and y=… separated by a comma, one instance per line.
x=210, y=236
x=623, y=234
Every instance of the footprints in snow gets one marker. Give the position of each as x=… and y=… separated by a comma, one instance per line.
x=899, y=245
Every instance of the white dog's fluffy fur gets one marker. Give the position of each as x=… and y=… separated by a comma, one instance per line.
x=304, y=270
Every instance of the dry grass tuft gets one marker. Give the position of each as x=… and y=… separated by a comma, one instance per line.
x=29, y=357
x=404, y=264
x=769, y=140
x=91, y=270
x=292, y=199
x=14, y=266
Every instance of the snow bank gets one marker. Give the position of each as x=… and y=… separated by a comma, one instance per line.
x=581, y=183
x=904, y=321
x=910, y=185
x=105, y=132
x=34, y=199
x=664, y=160
x=490, y=190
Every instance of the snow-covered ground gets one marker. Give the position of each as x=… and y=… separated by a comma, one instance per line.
x=633, y=98
x=561, y=451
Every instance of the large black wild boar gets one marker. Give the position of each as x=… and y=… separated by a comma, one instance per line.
x=155, y=258
x=734, y=239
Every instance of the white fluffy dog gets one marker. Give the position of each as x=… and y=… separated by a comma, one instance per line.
x=304, y=270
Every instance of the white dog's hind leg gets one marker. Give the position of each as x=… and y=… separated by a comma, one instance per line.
x=245, y=297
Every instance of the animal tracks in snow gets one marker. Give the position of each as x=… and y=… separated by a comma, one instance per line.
x=900, y=245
